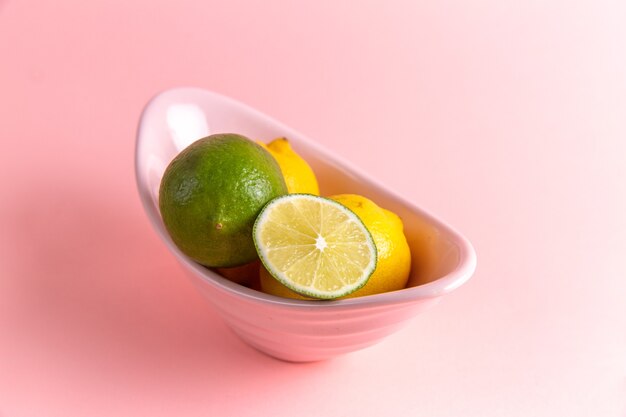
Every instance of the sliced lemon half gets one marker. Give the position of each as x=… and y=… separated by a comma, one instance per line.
x=315, y=246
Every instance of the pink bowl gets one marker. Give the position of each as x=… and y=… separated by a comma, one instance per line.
x=295, y=330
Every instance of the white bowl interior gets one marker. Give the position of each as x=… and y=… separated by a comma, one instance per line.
x=177, y=117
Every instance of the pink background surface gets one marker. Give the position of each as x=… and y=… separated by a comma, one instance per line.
x=507, y=119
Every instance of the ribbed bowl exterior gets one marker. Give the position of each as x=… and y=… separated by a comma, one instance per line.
x=307, y=333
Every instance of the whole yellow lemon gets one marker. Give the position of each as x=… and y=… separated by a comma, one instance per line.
x=394, y=256
x=298, y=174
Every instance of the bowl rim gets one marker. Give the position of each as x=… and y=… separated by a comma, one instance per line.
x=458, y=276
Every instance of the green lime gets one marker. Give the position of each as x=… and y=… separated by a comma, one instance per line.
x=313, y=246
x=211, y=194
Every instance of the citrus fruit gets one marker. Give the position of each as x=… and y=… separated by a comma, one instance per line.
x=394, y=256
x=314, y=246
x=298, y=174
x=211, y=194
x=247, y=274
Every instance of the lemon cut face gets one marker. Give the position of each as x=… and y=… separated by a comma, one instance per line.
x=315, y=246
